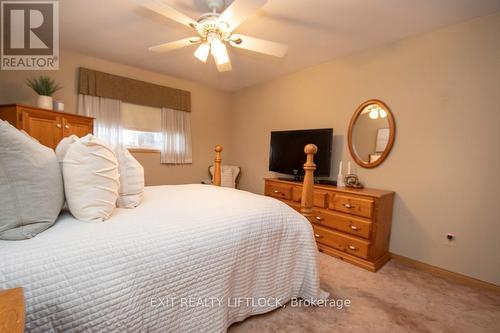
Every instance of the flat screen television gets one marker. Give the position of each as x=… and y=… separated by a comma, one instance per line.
x=287, y=151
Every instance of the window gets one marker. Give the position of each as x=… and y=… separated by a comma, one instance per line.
x=141, y=127
x=141, y=139
x=166, y=130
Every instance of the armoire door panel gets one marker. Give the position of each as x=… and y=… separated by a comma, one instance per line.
x=44, y=127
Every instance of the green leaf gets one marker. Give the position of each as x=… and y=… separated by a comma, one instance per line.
x=43, y=85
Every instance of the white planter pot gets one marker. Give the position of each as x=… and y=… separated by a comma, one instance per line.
x=58, y=106
x=44, y=102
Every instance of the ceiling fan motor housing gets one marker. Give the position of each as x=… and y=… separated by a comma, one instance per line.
x=210, y=26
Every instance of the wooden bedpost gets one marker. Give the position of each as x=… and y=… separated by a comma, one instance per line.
x=217, y=165
x=306, y=203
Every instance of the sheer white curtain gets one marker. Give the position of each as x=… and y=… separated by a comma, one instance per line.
x=107, y=114
x=176, y=132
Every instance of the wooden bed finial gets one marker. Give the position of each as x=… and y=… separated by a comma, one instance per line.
x=306, y=203
x=217, y=165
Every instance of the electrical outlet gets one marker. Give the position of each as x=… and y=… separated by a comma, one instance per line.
x=450, y=239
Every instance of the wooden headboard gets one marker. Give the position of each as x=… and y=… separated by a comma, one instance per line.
x=307, y=188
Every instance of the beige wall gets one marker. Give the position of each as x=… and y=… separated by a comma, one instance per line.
x=210, y=108
x=444, y=90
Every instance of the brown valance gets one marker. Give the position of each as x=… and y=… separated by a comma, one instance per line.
x=127, y=90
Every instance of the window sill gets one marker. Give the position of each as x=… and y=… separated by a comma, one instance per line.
x=143, y=150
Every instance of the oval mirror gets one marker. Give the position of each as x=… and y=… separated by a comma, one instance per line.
x=371, y=133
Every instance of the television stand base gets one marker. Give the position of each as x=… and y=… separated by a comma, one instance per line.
x=299, y=179
x=294, y=179
x=325, y=182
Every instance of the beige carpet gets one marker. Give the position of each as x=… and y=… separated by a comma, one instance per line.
x=395, y=299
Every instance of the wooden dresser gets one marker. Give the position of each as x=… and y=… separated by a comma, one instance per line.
x=353, y=225
x=48, y=127
x=12, y=310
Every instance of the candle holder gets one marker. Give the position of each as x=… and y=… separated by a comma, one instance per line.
x=340, y=177
x=352, y=181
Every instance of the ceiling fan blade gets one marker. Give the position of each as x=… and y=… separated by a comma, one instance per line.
x=175, y=45
x=239, y=11
x=160, y=7
x=259, y=45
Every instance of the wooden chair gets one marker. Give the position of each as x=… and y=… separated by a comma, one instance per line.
x=307, y=188
x=235, y=174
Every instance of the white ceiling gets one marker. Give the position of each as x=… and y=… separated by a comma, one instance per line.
x=315, y=30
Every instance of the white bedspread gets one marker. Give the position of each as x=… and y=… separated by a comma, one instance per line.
x=183, y=261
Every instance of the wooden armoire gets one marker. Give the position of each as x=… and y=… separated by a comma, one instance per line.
x=47, y=126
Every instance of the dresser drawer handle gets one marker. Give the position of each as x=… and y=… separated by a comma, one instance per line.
x=353, y=248
x=66, y=126
x=58, y=125
x=353, y=227
x=317, y=235
x=319, y=218
x=349, y=206
x=278, y=192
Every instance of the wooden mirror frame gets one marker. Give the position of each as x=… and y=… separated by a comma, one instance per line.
x=392, y=134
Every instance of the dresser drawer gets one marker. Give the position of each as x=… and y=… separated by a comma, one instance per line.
x=281, y=191
x=342, y=222
x=320, y=198
x=342, y=242
x=329, y=238
x=352, y=205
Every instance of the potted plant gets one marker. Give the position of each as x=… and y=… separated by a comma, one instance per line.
x=45, y=87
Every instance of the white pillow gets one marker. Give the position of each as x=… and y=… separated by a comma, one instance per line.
x=91, y=179
x=63, y=146
x=61, y=150
x=31, y=187
x=131, y=179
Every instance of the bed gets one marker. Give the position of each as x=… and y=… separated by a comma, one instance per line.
x=190, y=258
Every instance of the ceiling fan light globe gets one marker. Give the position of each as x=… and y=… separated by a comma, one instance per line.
x=219, y=52
x=373, y=114
x=202, y=51
x=226, y=67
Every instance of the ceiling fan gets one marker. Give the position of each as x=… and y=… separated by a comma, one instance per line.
x=215, y=30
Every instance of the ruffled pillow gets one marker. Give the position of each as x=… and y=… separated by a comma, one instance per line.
x=91, y=179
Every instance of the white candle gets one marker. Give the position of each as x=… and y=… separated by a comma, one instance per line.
x=340, y=168
x=349, y=167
